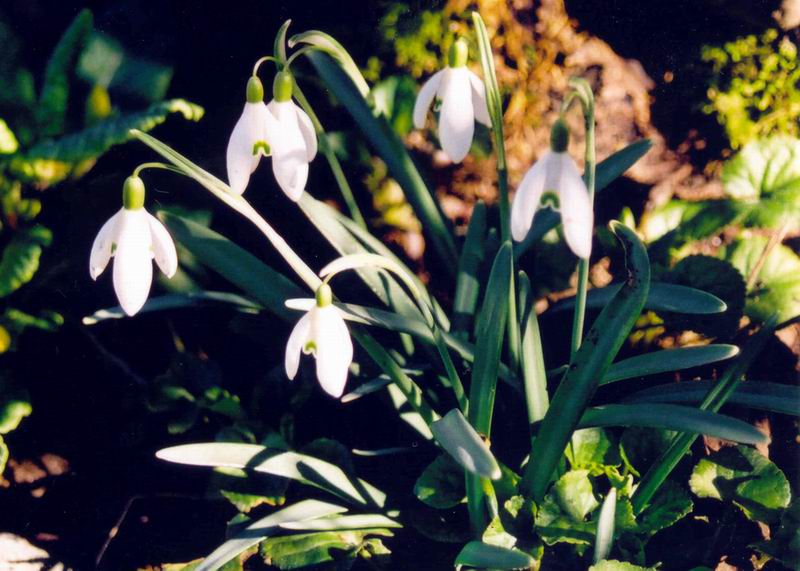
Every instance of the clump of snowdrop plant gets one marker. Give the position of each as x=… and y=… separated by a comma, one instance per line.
x=133, y=237
x=495, y=336
x=463, y=101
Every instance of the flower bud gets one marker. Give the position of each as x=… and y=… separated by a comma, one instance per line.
x=133, y=193
x=458, y=54
x=282, y=86
x=324, y=295
x=559, y=136
x=255, y=90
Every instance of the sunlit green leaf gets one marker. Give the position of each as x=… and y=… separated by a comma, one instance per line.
x=464, y=445
x=8, y=142
x=479, y=555
x=20, y=258
x=668, y=360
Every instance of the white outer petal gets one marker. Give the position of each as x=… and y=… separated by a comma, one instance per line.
x=334, y=349
x=289, y=155
x=133, y=266
x=163, y=247
x=577, y=215
x=479, y=100
x=103, y=245
x=308, y=132
x=294, y=346
x=425, y=97
x=456, y=118
x=300, y=303
x=241, y=161
x=529, y=193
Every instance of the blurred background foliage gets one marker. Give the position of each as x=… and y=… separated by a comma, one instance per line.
x=713, y=85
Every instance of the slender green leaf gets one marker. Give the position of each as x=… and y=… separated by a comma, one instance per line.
x=590, y=365
x=392, y=151
x=674, y=417
x=257, y=531
x=662, y=297
x=604, y=539
x=459, y=439
x=342, y=522
x=300, y=467
x=279, y=46
x=607, y=172
x=772, y=397
x=178, y=301
x=52, y=108
x=533, y=371
x=329, y=45
x=668, y=360
x=465, y=301
x=479, y=555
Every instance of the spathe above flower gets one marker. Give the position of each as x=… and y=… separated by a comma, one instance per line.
x=463, y=99
x=323, y=333
x=555, y=172
x=133, y=237
x=280, y=129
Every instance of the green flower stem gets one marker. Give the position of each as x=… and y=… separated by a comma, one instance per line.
x=333, y=161
x=583, y=92
x=713, y=401
x=495, y=107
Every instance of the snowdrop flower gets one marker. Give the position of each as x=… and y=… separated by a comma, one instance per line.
x=463, y=99
x=280, y=129
x=555, y=172
x=133, y=237
x=321, y=332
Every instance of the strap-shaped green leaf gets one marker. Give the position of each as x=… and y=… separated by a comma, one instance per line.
x=668, y=360
x=589, y=366
x=328, y=44
x=460, y=440
x=465, y=301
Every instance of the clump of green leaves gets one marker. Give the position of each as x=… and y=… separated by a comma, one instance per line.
x=754, y=89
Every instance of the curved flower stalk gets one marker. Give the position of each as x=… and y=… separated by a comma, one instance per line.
x=555, y=172
x=280, y=129
x=323, y=333
x=133, y=237
x=463, y=98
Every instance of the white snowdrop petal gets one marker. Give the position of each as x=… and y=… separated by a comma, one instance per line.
x=102, y=248
x=308, y=133
x=425, y=98
x=241, y=161
x=163, y=247
x=456, y=118
x=295, y=344
x=289, y=156
x=300, y=304
x=133, y=266
x=527, y=197
x=334, y=350
x=576, y=209
x=479, y=100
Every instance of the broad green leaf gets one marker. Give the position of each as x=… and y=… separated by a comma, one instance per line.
x=766, y=174
x=776, y=287
x=52, y=108
x=668, y=360
x=8, y=142
x=465, y=300
x=179, y=301
x=745, y=477
x=305, y=550
x=554, y=525
x=674, y=417
x=479, y=555
x=640, y=447
x=661, y=297
x=254, y=533
x=239, y=267
x=391, y=149
x=20, y=258
x=715, y=277
x=773, y=397
x=607, y=171
x=614, y=565
x=589, y=366
x=441, y=484
x=459, y=439
x=574, y=495
x=591, y=447
x=784, y=544
x=670, y=505
x=13, y=409
x=300, y=467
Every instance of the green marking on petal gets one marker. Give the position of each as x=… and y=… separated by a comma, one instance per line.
x=309, y=347
x=263, y=147
x=550, y=200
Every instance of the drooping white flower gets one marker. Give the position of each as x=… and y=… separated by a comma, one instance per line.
x=463, y=99
x=557, y=173
x=323, y=333
x=280, y=129
x=133, y=237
